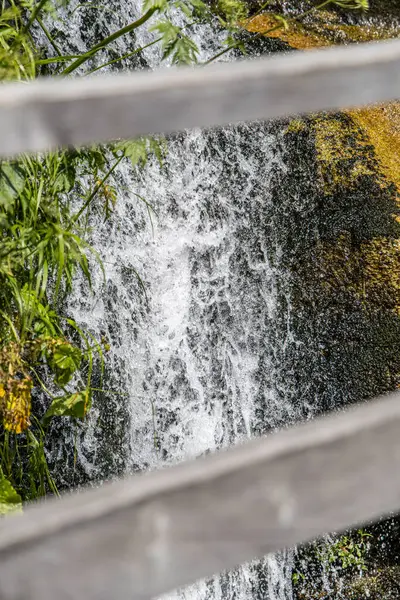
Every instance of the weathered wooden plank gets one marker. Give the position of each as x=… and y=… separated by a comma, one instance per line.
x=143, y=536
x=46, y=114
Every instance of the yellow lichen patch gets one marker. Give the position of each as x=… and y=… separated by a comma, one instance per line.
x=16, y=405
x=369, y=273
x=381, y=125
x=381, y=271
x=337, y=147
x=295, y=126
x=339, y=33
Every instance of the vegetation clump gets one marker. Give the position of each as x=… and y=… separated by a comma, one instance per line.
x=332, y=565
x=46, y=359
x=344, y=568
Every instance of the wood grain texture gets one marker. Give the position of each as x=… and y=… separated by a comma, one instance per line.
x=51, y=113
x=150, y=533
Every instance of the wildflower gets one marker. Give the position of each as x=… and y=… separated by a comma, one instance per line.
x=17, y=405
x=2, y=396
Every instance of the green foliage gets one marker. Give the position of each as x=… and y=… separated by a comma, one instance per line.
x=138, y=151
x=297, y=577
x=176, y=44
x=232, y=12
x=43, y=246
x=352, y=4
x=10, y=500
x=65, y=360
x=347, y=552
x=330, y=565
x=17, y=56
x=36, y=481
x=154, y=4
x=70, y=405
x=41, y=243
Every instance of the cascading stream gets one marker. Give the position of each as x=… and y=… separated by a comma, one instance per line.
x=199, y=354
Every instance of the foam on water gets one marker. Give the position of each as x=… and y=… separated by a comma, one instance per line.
x=197, y=354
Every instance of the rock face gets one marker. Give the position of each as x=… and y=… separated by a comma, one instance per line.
x=345, y=267
x=346, y=167
x=383, y=583
x=381, y=123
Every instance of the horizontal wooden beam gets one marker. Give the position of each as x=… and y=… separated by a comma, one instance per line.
x=143, y=536
x=50, y=113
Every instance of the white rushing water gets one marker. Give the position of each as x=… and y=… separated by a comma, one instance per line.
x=197, y=358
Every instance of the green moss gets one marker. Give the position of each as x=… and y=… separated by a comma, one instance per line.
x=296, y=126
x=348, y=163
x=379, y=124
x=383, y=584
x=345, y=262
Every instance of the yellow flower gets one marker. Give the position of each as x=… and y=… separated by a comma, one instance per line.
x=2, y=397
x=17, y=408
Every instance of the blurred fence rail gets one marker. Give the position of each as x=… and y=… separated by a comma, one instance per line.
x=50, y=113
x=148, y=534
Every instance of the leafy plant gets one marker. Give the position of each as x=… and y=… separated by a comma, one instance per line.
x=43, y=353
x=71, y=405
x=297, y=577
x=332, y=564
x=17, y=56
x=347, y=551
x=41, y=249
x=10, y=501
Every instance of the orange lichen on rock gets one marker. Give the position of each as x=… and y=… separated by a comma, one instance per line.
x=296, y=36
x=323, y=30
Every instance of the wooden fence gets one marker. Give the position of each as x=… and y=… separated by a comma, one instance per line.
x=150, y=533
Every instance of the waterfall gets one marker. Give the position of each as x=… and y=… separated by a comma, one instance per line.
x=196, y=356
